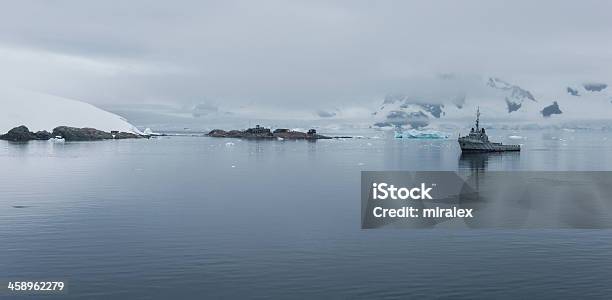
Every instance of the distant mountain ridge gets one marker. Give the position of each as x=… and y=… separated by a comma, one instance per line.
x=500, y=99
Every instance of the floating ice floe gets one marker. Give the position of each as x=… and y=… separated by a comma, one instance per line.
x=517, y=137
x=420, y=134
x=57, y=139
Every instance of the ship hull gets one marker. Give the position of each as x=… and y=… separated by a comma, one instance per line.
x=487, y=147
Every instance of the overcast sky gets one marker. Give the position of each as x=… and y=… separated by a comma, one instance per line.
x=293, y=53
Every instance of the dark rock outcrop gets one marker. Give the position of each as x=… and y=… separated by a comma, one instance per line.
x=19, y=134
x=43, y=135
x=595, y=87
x=23, y=134
x=125, y=135
x=81, y=134
x=573, y=92
x=90, y=134
x=265, y=133
x=552, y=109
x=218, y=133
x=512, y=106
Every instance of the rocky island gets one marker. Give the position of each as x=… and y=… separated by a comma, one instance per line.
x=259, y=132
x=23, y=134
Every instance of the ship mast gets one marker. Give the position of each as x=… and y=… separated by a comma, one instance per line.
x=477, y=119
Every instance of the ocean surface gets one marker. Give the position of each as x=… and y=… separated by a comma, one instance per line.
x=191, y=217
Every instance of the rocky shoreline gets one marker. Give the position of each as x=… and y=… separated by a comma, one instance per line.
x=23, y=134
x=72, y=134
x=259, y=132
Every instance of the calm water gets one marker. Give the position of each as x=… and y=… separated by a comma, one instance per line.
x=195, y=217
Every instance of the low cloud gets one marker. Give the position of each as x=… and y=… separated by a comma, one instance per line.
x=295, y=55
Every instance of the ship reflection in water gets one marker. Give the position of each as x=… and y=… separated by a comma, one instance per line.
x=487, y=161
x=504, y=196
x=478, y=168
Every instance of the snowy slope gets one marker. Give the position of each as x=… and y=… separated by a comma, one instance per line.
x=45, y=112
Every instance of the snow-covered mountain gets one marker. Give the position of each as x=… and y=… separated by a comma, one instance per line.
x=515, y=95
x=501, y=102
x=45, y=112
x=399, y=110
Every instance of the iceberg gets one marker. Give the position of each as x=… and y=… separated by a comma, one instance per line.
x=420, y=134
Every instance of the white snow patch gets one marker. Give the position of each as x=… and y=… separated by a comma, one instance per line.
x=148, y=131
x=44, y=112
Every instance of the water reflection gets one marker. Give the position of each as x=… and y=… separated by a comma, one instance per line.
x=480, y=162
x=256, y=148
x=164, y=206
x=474, y=166
x=473, y=161
x=500, y=199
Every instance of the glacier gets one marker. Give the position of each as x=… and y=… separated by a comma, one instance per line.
x=40, y=111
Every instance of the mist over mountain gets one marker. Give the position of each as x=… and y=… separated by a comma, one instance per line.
x=501, y=101
x=435, y=102
x=350, y=63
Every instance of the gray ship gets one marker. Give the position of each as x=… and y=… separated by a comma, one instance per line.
x=478, y=141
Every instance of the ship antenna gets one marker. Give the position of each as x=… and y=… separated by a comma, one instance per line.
x=477, y=118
